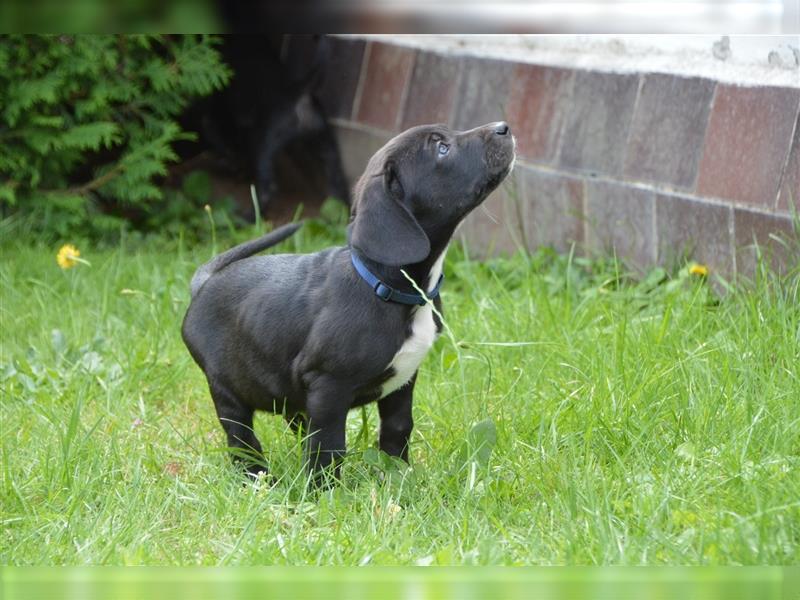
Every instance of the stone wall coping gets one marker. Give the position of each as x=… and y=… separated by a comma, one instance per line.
x=749, y=60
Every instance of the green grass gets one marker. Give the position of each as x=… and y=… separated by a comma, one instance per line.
x=574, y=416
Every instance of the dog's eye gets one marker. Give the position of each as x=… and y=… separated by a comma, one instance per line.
x=443, y=148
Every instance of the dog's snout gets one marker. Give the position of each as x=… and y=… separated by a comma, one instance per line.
x=499, y=147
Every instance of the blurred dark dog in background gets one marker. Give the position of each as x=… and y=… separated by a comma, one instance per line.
x=268, y=119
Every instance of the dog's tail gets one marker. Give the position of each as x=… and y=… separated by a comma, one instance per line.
x=239, y=252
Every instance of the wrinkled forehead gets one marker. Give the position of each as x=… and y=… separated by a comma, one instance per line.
x=404, y=145
x=420, y=134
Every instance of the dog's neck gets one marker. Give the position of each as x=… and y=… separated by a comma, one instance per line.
x=422, y=272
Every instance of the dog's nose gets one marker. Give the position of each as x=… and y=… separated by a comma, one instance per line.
x=501, y=128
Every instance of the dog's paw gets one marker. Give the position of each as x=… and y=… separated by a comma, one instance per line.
x=257, y=475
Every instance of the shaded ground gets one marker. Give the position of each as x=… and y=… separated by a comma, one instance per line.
x=300, y=181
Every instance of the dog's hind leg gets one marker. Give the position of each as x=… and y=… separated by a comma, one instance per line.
x=237, y=421
x=298, y=422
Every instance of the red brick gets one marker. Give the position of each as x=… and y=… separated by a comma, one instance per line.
x=388, y=72
x=496, y=227
x=433, y=90
x=666, y=139
x=357, y=147
x=537, y=108
x=552, y=210
x=482, y=92
x=619, y=220
x=695, y=229
x=747, y=143
x=771, y=235
x=789, y=200
x=600, y=113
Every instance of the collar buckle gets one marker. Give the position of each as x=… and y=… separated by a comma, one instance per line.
x=383, y=291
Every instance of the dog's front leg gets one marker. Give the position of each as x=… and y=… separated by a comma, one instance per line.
x=396, y=420
x=332, y=164
x=326, y=406
x=272, y=139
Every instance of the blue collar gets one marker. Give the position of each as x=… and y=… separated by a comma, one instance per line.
x=387, y=293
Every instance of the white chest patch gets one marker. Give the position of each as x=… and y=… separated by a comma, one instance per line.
x=423, y=333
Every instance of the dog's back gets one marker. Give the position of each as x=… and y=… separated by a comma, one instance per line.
x=239, y=252
x=267, y=311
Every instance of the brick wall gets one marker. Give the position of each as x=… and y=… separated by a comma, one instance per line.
x=650, y=166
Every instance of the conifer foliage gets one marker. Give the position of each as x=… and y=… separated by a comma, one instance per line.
x=89, y=121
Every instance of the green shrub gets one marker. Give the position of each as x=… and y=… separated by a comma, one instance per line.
x=87, y=123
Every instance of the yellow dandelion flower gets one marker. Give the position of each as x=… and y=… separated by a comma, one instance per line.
x=68, y=256
x=700, y=270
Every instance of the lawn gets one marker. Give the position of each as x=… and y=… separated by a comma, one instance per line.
x=572, y=414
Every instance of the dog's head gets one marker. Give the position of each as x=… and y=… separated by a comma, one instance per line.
x=421, y=184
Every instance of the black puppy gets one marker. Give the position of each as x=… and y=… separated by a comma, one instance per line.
x=312, y=336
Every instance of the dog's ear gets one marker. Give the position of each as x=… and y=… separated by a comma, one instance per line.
x=383, y=228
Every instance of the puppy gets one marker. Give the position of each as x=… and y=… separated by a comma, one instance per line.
x=313, y=335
